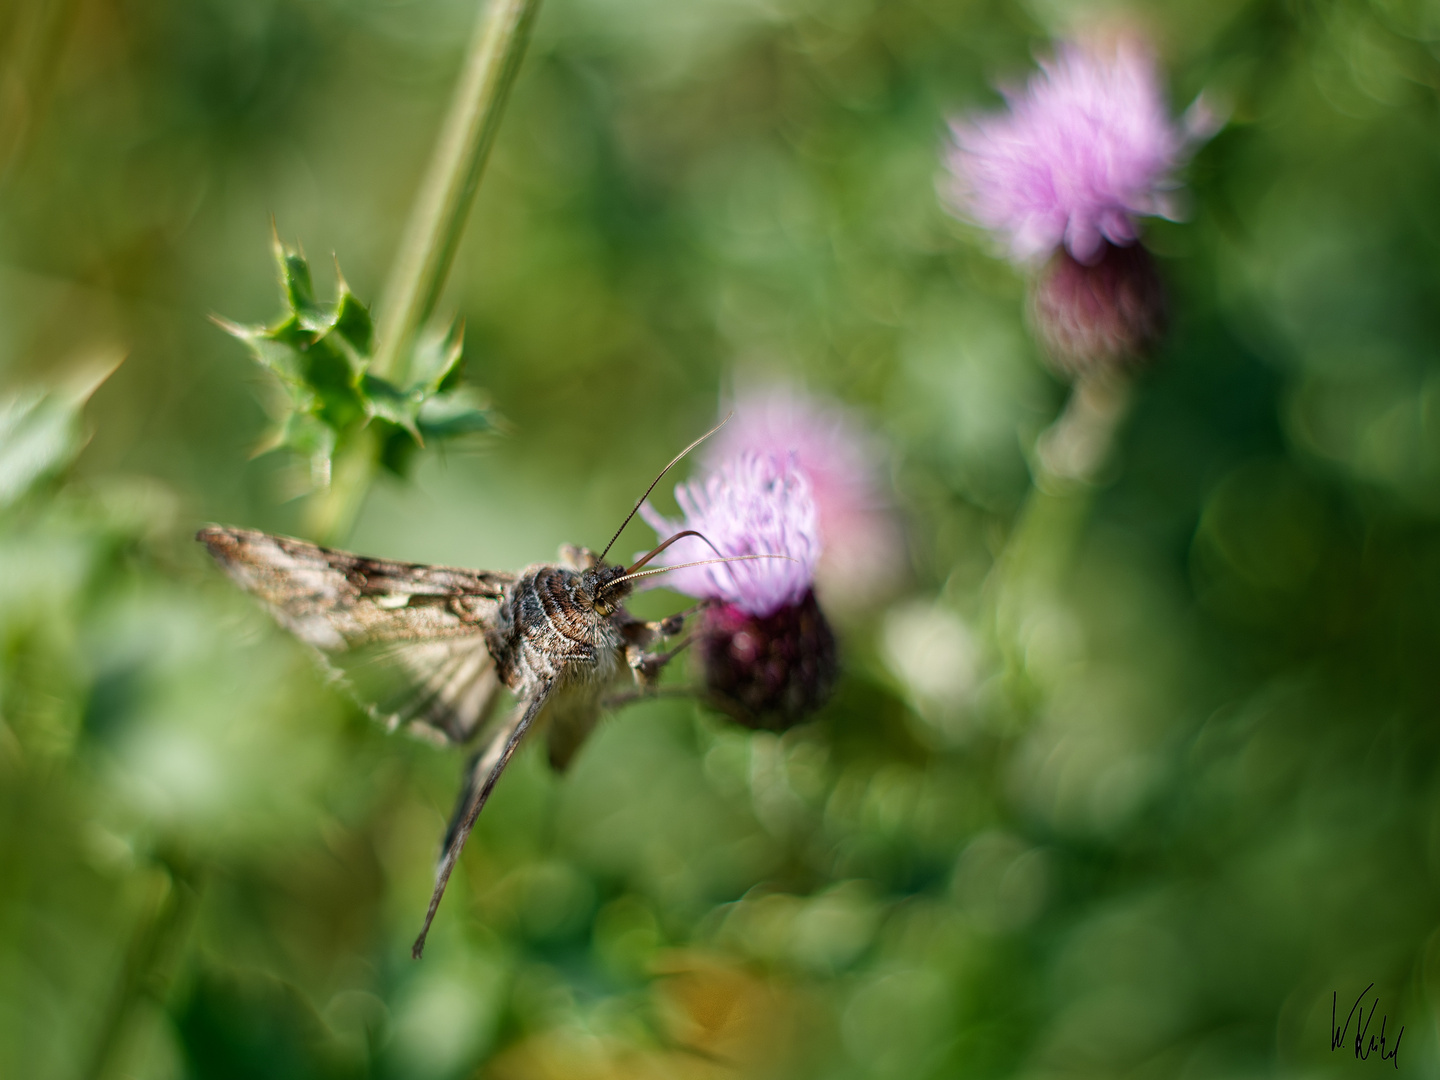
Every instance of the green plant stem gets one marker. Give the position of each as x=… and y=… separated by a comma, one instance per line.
x=432, y=235
x=438, y=218
x=1070, y=457
x=332, y=510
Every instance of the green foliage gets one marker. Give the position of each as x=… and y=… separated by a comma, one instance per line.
x=321, y=355
x=40, y=436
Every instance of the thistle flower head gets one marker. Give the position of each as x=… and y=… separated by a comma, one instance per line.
x=862, y=543
x=766, y=650
x=752, y=504
x=1086, y=148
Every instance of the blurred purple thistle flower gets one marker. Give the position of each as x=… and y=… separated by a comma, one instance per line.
x=767, y=651
x=863, y=550
x=1084, y=150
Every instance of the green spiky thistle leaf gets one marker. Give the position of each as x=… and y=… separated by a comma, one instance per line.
x=320, y=354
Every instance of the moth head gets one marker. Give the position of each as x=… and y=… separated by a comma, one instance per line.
x=604, y=586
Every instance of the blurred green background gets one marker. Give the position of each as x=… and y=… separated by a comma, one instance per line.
x=1190, y=792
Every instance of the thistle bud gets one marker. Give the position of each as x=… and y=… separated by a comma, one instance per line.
x=769, y=671
x=1105, y=315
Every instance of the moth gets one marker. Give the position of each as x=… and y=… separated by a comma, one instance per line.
x=429, y=648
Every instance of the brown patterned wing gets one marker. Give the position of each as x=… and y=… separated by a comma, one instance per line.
x=409, y=639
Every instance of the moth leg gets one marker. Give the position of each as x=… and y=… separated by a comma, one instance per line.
x=673, y=624
x=485, y=769
x=648, y=665
x=642, y=634
x=639, y=635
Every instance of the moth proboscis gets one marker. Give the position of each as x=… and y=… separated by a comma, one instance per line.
x=430, y=647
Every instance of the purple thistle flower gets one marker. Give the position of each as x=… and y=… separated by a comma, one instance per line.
x=1084, y=150
x=863, y=550
x=753, y=504
x=767, y=651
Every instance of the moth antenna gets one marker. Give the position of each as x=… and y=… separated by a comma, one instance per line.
x=702, y=562
x=673, y=462
x=667, y=543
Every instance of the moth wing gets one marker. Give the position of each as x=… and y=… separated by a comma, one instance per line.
x=481, y=773
x=407, y=638
x=444, y=688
